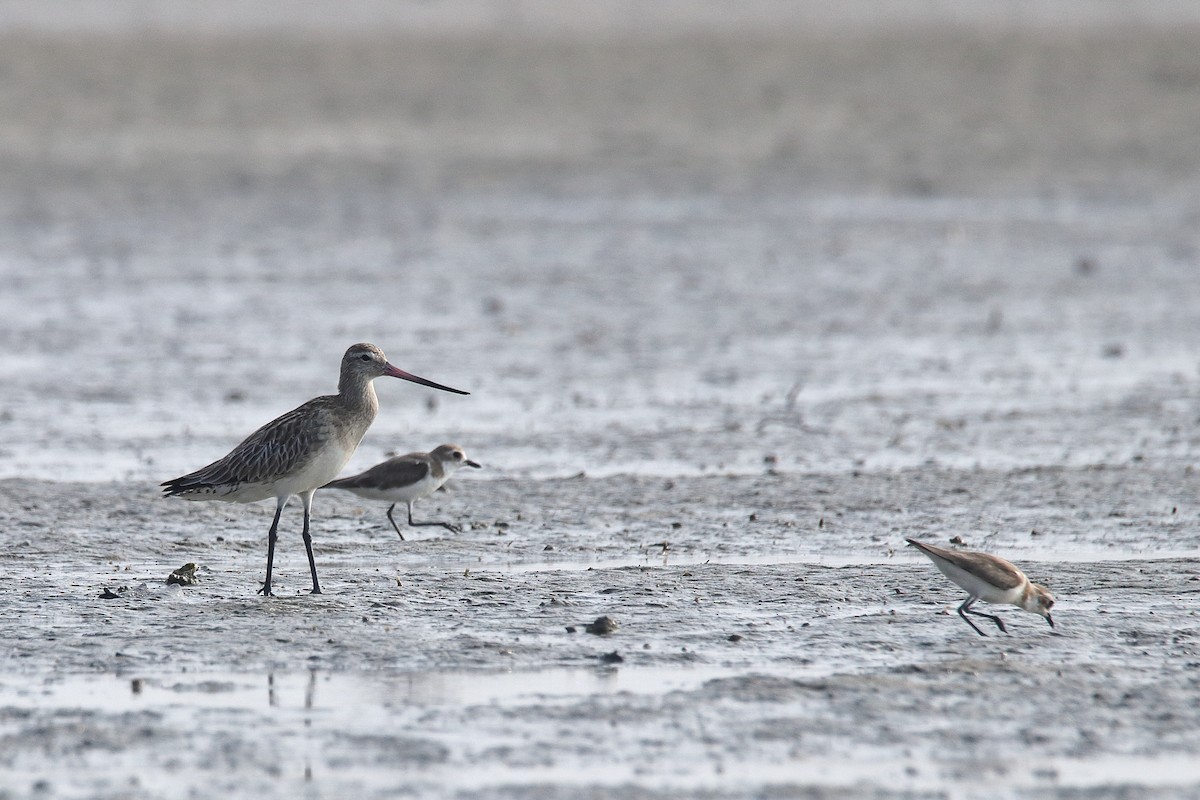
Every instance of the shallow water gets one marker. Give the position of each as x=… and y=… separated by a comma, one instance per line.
x=409, y=728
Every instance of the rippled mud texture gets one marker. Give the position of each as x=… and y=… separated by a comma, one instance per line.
x=742, y=303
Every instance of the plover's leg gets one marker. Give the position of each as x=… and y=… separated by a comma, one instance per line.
x=450, y=526
x=265, y=591
x=392, y=520
x=999, y=622
x=306, y=498
x=962, y=612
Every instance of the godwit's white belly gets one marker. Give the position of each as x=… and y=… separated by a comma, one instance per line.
x=318, y=471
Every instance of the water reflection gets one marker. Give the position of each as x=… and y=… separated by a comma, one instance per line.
x=318, y=694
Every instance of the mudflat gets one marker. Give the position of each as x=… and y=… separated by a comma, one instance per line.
x=742, y=303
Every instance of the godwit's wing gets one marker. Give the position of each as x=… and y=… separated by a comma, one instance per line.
x=278, y=449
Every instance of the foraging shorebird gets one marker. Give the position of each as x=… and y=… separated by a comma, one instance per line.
x=406, y=479
x=300, y=451
x=991, y=579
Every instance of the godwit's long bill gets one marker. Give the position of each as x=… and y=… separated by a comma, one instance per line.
x=406, y=479
x=300, y=451
x=991, y=579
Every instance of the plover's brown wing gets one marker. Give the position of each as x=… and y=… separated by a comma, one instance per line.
x=992, y=569
x=276, y=449
x=391, y=474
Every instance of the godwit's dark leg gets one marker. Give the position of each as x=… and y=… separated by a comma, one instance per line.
x=962, y=612
x=392, y=520
x=265, y=591
x=447, y=525
x=306, y=498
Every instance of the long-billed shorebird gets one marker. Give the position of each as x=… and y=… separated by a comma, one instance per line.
x=300, y=451
x=406, y=479
x=991, y=579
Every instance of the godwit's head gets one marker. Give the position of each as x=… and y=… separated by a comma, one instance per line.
x=452, y=457
x=365, y=361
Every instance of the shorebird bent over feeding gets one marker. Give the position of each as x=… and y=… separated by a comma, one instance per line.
x=991, y=579
x=300, y=451
x=406, y=479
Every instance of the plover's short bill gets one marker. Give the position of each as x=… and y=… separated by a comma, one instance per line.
x=991, y=579
x=406, y=479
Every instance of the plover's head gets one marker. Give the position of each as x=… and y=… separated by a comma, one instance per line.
x=1038, y=600
x=452, y=457
x=366, y=361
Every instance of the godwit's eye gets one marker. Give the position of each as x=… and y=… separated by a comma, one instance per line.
x=365, y=357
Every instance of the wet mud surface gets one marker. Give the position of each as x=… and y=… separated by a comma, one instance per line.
x=805, y=651
x=739, y=308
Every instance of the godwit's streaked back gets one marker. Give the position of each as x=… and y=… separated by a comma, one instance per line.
x=300, y=451
x=406, y=479
x=991, y=579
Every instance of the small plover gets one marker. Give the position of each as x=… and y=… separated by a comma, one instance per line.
x=991, y=579
x=406, y=479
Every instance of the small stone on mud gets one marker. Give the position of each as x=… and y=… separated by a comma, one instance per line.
x=184, y=576
x=612, y=658
x=109, y=594
x=956, y=540
x=754, y=517
x=548, y=547
x=602, y=626
x=735, y=637
x=570, y=629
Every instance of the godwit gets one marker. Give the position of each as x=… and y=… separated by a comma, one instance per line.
x=991, y=579
x=406, y=479
x=299, y=451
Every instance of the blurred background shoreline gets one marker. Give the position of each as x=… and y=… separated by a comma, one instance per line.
x=649, y=237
